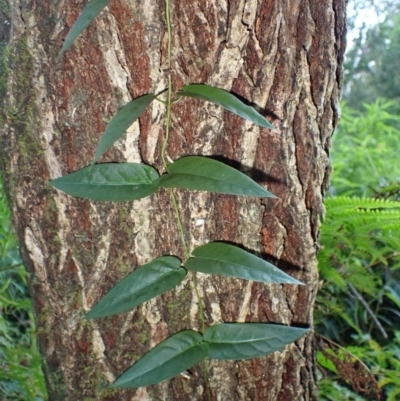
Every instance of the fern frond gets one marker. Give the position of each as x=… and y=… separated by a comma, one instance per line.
x=342, y=203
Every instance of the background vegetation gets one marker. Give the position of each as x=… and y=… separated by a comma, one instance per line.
x=358, y=308
x=21, y=376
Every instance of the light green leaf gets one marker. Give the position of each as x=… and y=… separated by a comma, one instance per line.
x=226, y=100
x=204, y=174
x=121, y=122
x=229, y=260
x=144, y=283
x=110, y=182
x=88, y=14
x=249, y=340
x=169, y=358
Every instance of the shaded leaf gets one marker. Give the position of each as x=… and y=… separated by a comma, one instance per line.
x=146, y=282
x=110, y=182
x=229, y=260
x=204, y=174
x=169, y=358
x=121, y=122
x=249, y=340
x=88, y=14
x=226, y=100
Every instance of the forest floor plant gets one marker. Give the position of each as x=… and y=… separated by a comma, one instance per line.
x=21, y=376
x=357, y=308
x=132, y=181
x=358, y=305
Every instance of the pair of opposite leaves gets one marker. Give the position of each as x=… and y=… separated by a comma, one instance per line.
x=131, y=181
x=185, y=349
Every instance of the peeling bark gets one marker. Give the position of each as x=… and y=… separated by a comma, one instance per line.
x=284, y=57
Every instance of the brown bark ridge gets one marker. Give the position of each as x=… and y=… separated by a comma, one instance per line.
x=284, y=57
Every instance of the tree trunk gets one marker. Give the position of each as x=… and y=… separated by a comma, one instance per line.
x=283, y=56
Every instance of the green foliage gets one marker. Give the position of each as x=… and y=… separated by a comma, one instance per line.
x=226, y=100
x=249, y=340
x=359, y=301
x=110, y=182
x=360, y=239
x=88, y=14
x=125, y=117
x=204, y=174
x=372, y=370
x=130, y=181
x=145, y=283
x=222, y=341
x=21, y=376
x=229, y=260
x=371, y=66
x=365, y=150
x=164, y=273
x=360, y=296
x=169, y=358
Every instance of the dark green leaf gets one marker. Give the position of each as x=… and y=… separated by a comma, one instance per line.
x=204, y=174
x=226, y=100
x=88, y=14
x=229, y=260
x=169, y=358
x=249, y=340
x=121, y=122
x=144, y=283
x=110, y=182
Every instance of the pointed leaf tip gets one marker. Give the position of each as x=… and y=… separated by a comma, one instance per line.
x=110, y=182
x=229, y=260
x=205, y=174
x=249, y=340
x=88, y=14
x=144, y=283
x=169, y=358
x=125, y=117
x=226, y=100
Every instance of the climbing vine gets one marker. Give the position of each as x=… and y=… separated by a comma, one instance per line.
x=132, y=181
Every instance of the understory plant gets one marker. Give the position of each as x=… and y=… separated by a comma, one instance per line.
x=365, y=149
x=357, y=310
x=21, y=376
x=132, y=181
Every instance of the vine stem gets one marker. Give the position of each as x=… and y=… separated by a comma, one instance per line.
x=168, y=104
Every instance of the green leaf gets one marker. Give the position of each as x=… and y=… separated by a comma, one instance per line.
x=248, y=340
x=169, y=358
x=204, y=174
x=229, y=260
x=226, y=100
x=121, y=122
x=88, y=14
x=144, y=283
x=110, y=182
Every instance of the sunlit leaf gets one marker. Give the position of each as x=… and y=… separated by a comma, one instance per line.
x=228, y=260
x=121, y=122
x=226, y=100
x=88, y=14
x=204, y=174
x=169, y=358
x=249, y=340
x=146, y=282
x=110, y=182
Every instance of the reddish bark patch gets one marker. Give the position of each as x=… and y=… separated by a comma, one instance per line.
x=132, y=36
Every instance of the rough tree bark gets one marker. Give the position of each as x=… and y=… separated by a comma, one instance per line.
x=284, y=56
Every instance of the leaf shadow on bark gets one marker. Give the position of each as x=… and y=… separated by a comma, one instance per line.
x=262, y=110
x=255, y=174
